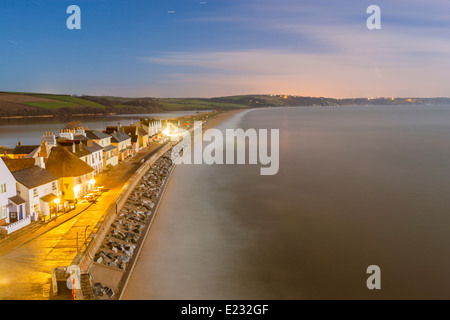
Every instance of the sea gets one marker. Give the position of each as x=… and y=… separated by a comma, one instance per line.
x=357, y=187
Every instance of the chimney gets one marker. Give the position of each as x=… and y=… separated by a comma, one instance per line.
x=49, y=139
x=39, y=161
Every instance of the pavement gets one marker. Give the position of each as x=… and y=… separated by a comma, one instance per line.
x=28, y=255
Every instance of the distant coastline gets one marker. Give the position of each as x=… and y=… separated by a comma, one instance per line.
x=23, y=105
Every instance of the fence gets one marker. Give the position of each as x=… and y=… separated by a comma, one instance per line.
x=5, y=230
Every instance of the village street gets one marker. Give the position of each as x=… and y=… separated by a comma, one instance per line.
x=28, y=257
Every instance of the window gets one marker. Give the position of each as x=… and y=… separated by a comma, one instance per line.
x=35, y=192
x=2, y=188
x=54, y=185
x=2, y=212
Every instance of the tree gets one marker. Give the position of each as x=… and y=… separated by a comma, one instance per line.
x=73, y=124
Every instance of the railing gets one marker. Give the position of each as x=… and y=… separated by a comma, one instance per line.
x=15, y=226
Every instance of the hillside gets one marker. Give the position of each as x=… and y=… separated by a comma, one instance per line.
x=37, y=104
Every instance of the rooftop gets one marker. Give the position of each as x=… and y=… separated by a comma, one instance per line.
x=63, y=163
x=119, y=136
x=34, y=177
x=20, y=149
x=19, y=164
x=92, y=147
x=95, y=135
x=17, y=200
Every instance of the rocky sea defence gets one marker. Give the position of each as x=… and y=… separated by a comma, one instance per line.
x=120, y=247
x=122, y=239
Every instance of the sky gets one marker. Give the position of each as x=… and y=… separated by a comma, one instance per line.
x=210, y=48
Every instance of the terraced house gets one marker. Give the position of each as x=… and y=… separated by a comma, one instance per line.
x=40, y=190
x=95, y=156
x=22, y=151
x=139, y=136
x=76, y=177
x=110, y=152
x=121, y=141
x=12, y=206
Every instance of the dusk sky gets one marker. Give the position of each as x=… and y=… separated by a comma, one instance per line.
x=195, y=48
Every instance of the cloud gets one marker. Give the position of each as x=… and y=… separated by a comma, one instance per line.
x=329, y=52
x=270, y=71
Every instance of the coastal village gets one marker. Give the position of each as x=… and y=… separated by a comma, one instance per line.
x=68, y=175
x=40, y=180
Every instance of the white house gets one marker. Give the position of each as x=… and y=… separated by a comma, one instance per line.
x=95, y=159
x=40, y=190
x=110, y=152
x=12, y=206
x=7, y=190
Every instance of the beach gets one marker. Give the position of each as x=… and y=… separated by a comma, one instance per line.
x=354, y=189
x=221, y=117
x=211, y=123
x=135, y=286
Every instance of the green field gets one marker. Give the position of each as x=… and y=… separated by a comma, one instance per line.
x=51, y=104
x=15, y=103
x=63, y=101
x=196, y=104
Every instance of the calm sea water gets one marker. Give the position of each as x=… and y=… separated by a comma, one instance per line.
x=357, y=186
x=30, y=130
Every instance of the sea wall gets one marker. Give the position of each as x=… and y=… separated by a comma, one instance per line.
x=84, y=260
x=111, y=255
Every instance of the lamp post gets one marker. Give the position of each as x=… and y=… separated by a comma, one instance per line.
x=85, y=234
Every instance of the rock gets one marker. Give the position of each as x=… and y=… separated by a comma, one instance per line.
x=124, y=258
x=109, y=292
x=98, y=289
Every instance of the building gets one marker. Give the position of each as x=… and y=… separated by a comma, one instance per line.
x=12, y=206
x=95, y=160
x=76, y=147
x=139, y=136
x=20, y=164
x=153, y=127
x=87, y=150
x=110, y=152
x=121, y=141
x=40, y=190
x=22, y=151
x=7, y=190
x=4, y=151
x=76, y=177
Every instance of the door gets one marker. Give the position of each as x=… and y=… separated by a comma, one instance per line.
x=20, y=212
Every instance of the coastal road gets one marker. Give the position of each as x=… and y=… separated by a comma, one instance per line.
x=26, y=263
